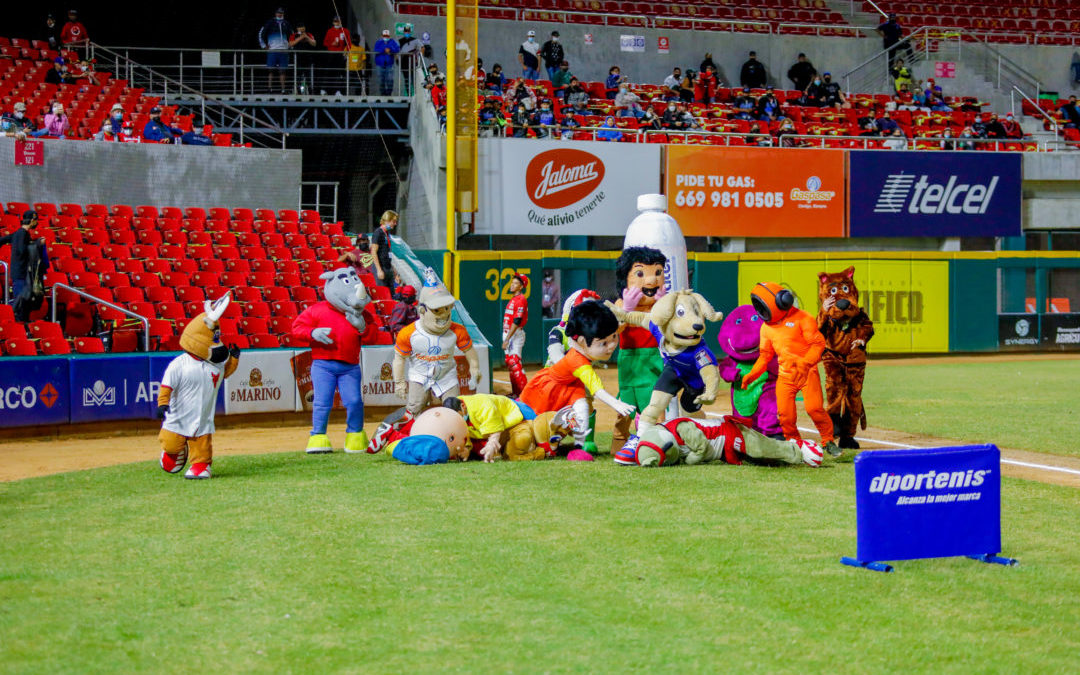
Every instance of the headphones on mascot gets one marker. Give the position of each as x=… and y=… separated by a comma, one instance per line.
x=783, y=298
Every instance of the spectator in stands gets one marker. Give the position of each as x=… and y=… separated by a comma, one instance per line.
x=56, y=123
x=935, y=98
x=116, y=118
x=577, y=97
x=561, y=79
x=886, y=125
x=686, y=87
x=337, y=38
x=705, y=86
x=801, y=73
x=58, y=75
x=544, y=119
x=74, y=33
x=197, y=136
x=553, y=55
x=608, y=131
x=20, y=240
x=440, y=113
x=672, y=84
x=302, y=41
x=611, y=84
x=409, y=48
x=753, y=73
x=895, y=140
x=946, y=142
x=106, y=132
x=686, y=118
x=359, y=257
x=21, y=125
x=785, y=132
x=901, y=74
x=768, y=107
x=1070, y=113
x=906, y=100
x=521, y=119
x=758, y=136
x=127, y=134
x=380, y=248
x=868, y=124
x=628, y=101
x=481, y=74
x=834, y=96
x=51, y=33
x=7, y=128
x=994, y=127
x=491, y=118
x=404, y=311
x=337, y=42
x=386, y=49
x=274, y=37
x=528, y=57
x=706, y=62
x=745, y=105
x=550, y=296
x=157, y=131
x=891, y=33
x=650, y=121
x=978, y=127
x=814, y=96
x=672, y=119
x=432, y=73
x=568, y=125
x=1012, y=127
x=964, y=144
x=521, y=93
x=495, y=80
x=438, y=93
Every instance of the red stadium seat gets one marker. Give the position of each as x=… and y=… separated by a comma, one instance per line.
x=280, y=324
x=12, y=329
x=239, y=266
x=304, y=294
x=17, y=347
x=236, y=340
x=276, y=294
x=263, y=341
x=171, y=310
x=284, y=309
x=262, y=266
x=189, y=293
x=54, y=346
x=256, y=309
x=89, y=345
x=130, y=266
x=254, y=324
x=7, y=314
x=46, y=329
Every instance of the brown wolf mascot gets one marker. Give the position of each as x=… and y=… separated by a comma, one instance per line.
x=847, y=329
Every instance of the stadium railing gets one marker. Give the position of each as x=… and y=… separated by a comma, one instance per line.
x=145, y=321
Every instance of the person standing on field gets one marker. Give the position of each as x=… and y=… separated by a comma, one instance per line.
x=380, y=248
x=515, y=317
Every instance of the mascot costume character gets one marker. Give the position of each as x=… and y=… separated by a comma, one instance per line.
x=740, y=337
x=435, y=436
x=189, y=391
x=639, y=283
x=677, y=323
x=335, y=329
x=847, y=329
x=501, y=428
x=791, y=336
x=424, y=364
x=729, y=440
x=558, y=344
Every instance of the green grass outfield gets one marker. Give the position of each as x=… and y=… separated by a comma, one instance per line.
x=288, y=563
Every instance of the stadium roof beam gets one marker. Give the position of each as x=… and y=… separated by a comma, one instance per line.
x=368, y=118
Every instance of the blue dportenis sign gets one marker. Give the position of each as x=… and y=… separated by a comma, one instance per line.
x=944, y=194
x=928, y=503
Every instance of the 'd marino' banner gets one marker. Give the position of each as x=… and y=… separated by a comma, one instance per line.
x=928, y=503
x=948, y=194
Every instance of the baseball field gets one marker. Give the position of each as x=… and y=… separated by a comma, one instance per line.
x=290, y=563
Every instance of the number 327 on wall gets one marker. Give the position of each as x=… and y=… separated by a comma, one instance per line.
x=494, y=276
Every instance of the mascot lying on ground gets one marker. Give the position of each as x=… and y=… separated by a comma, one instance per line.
x=189, y=391
x=677, y=322
x=424, y=364
x=639, y=283
x=334, y=327
x=740, y=337
x=501, y=428
x=847, y=329
x=435, y=436
x=729, y=440
x=792, y=337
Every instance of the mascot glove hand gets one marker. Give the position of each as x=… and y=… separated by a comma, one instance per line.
x=160, y=412
x=234, y=351
x=704, y=399
x=401, y=390
x=858, y=344
x=322, y=334
x=631, y=296
x=490, y=451
x=474, y=382
x=624, y=409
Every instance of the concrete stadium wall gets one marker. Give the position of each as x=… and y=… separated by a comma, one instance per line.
x=162, y=175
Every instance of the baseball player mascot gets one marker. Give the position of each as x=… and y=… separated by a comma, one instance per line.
x=335, y=329
x=189, y=391
x=515, y=317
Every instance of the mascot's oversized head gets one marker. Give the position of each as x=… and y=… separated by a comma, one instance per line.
x=772, y=301
x=740, y=334
x=681, y=316
x=346, y=293
x=434, y=308
x=838, y=294
x=643, y=268
x=202, y=336
x=446, y=425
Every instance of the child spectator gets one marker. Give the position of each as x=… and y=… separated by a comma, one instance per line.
x=543, y=119
x=128, y=133
x=608, y=131
x=611, y=84
x=569, y=123
x=404, y=311
x=58, y=75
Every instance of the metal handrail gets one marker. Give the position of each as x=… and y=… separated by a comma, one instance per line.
x=909, y=143
x=7, y=280
x=1053, y=122
x=145, y=321
x=880, y=11
x=884, y=52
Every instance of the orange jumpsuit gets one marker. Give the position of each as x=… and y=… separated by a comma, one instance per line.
x=797, y=343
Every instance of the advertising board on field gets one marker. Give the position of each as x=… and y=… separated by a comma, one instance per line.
x=908, y=300
x=1060, y=331
x=756, y=192
x=552, y=187
x=379, y=379
x=1018, y=331
x=34, y=391
x=263, y=382
x=952, y=194
x=112, y=388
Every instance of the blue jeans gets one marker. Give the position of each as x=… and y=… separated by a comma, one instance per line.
x=327, y=376
x=551, y=73
x=386, y=79
x=530, y=73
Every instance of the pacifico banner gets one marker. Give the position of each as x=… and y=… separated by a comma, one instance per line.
x=551, y=187
x=756, y=192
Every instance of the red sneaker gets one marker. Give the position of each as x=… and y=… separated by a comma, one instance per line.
x=174, y=463
x=198, y=470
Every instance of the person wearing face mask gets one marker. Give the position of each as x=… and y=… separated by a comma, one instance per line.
x=611, y=84
x=671, y=85
x=947, y=142
x=768, y=107
x=553, y=55
x=577, y=97
x=127, y=134
x=495, y=80
x=561, y=79
x=543, y=119
x=51, y=33
x=1011, y=127
x=116, y=118
x=671, y=117
x=628, y=101
x=157, y=131
x=56, y=123
x=833, y=96
x=814, y=96
x=408, y=47
x=650, y=121
x=386, y=49
x=438, y=93
x=784, y=133
x=274, y=37
x=528, y=57
x=337, y=42
x=20, y=123
x=745, y=105
x=521, y=121
x=106, y=132
x=58, y=75
x=21, y=240
x=569, y=123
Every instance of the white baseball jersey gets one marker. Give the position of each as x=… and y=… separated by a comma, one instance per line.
x=431, y=357
x=194, y=385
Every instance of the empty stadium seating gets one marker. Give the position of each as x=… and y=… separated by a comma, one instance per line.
x=1048, y=22
x=167, y=283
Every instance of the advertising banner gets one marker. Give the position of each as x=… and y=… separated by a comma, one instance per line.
x=263, y=382
x=958, y=194
x=928, y=503
x=756, y=192
x=908, y=300
x=34, y=391
x=550, y=187
x=632, y=43
x=112, y=388
x=379, y=379
x=1061, y=331
x=1018, y=331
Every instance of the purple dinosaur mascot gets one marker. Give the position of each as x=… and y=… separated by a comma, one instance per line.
x=740, y=337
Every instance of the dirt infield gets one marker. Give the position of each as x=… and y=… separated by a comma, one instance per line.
x=89, y=448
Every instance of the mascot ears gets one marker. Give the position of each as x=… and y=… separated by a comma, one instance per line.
x=214, y=310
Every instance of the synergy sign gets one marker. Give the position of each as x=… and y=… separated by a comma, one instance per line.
x=959, y=194
x=554, y=187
